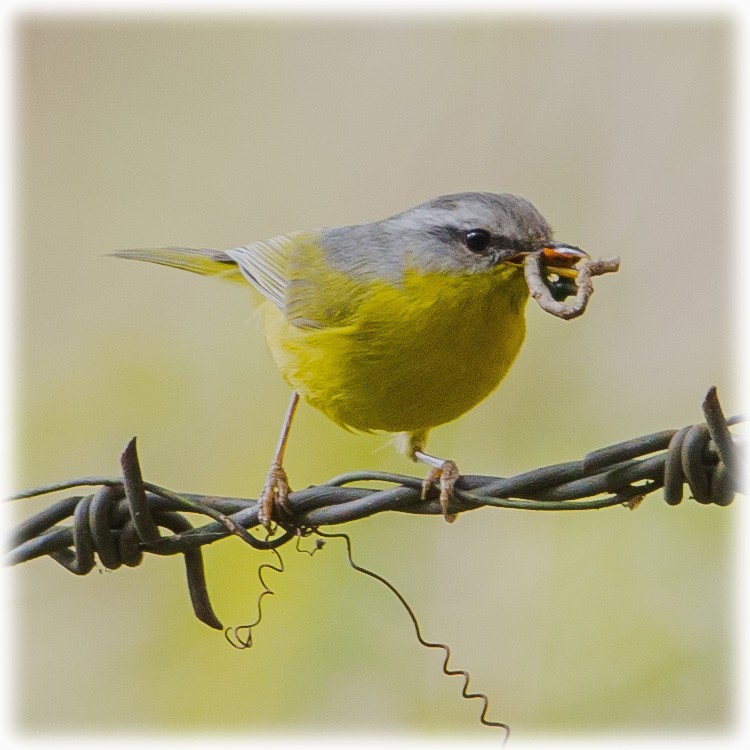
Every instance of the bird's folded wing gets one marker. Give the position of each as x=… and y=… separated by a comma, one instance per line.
x=291, y=271
x=265, y=265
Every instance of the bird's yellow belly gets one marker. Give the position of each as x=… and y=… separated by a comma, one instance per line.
x=413, y=356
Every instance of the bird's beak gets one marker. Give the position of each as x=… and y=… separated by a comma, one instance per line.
x=559, y=258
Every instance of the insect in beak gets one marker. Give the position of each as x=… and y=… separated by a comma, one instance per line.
x=558, y=258
x=559, y=263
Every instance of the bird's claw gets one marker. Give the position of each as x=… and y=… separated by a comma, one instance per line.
x=447, y=475
x=274, y=497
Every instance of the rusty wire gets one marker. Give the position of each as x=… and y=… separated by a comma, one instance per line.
x=123, y=518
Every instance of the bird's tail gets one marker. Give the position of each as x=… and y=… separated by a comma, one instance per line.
x=205, y=262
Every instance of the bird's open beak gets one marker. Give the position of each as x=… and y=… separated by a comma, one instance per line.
x=559, y=258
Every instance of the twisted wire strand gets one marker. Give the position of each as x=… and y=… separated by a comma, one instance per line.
x=123, y=517
x=422, y=640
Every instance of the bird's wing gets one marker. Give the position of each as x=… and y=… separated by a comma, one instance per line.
x=265, y=265
x=290, y=270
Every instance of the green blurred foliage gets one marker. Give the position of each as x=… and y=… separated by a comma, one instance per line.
x=141, y=133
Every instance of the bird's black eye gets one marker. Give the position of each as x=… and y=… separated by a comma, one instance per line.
x=477, y=240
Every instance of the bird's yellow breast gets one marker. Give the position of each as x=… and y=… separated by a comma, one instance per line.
x=411, y=356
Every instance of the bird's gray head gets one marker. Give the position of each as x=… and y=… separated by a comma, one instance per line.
x=462, y=232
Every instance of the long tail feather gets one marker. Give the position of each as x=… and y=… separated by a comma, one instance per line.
x=204, y=262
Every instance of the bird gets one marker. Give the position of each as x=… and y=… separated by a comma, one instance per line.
x=399, y=325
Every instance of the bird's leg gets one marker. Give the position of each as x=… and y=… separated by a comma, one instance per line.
x=446, y=472
x=276, y=490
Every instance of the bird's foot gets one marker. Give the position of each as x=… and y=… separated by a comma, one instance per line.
x=274, y=497
x=447, y=475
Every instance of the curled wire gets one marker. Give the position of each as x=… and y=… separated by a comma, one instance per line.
x=124, y=517
x=422, y=640
x=319, y=543
x=241, y=636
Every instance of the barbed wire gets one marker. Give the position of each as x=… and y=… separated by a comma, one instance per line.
x=123, y=518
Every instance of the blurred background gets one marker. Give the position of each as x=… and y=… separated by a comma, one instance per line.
x=216, y=132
